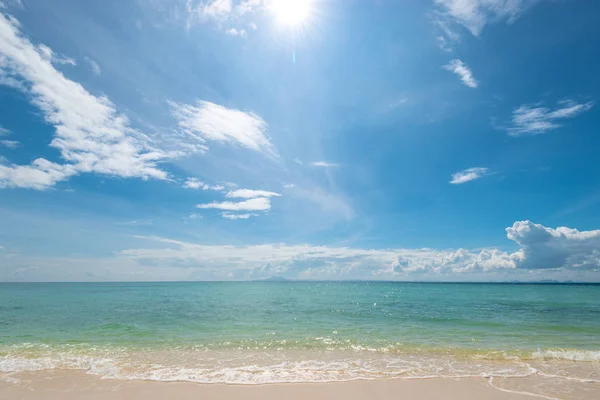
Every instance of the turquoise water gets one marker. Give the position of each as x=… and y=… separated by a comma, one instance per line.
x=272, y=331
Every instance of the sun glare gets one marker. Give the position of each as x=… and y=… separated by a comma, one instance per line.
x=291, y=13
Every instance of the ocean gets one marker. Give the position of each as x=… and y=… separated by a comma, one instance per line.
x=266, y=332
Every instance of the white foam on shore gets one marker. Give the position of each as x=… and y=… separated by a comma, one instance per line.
x=280, y=367
x=569, y=355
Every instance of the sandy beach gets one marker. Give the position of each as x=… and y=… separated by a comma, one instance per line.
x=72, y=385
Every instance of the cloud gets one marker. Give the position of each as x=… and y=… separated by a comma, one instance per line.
x=47, y=53
x=462, y=70
x=534, y=119
x=256, y=204
x=563, y=247
x=398, y=103
x=236, y=216
x=90, y=134
x=94, y=66
x=568, y=248
x=249, y=194
x=4, y=131
x=469, y=174
x=207, y=121
x=236, y=32
x=11, y=144
x=218, y=9
x=222, y=12
x=573, y=254
x=144, y=222
x=323, y=164
x=475, y=14
x=193, y=183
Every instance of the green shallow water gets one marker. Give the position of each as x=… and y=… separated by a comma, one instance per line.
x=271, y=331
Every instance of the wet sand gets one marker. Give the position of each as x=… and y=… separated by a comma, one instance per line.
x=76, y=385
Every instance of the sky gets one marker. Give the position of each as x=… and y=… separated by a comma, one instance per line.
x=413, y=140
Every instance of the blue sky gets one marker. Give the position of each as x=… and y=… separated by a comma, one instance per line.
x=225, y=139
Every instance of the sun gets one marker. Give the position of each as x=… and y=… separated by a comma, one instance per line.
x=291, y=13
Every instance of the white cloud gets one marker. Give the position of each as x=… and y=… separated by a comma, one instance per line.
x=40, y=175
x=193, y=183
x=90, y=134
x=568, y=248
x=475, y=14
x=143, y=222
x=573, y=255
x=236, y=32
x=256, y=204
x=468, y=175
x=207, y=121
x=236, y=216
x=323, y=164
x=50, y=56
x=534, y=119
x=250, y=194
x=11, y=144
x=218, y=9
x=4, y=131
x=563, y=247
x=462, y=70
x=94, y=66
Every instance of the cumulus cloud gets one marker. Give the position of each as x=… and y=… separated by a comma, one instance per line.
x=256, y=204
x=544, y=252
x=207, y=121
x=462, y=70
x=541, y=248
x=193, y=183
x=469, y=174
x=249, y=194
x=90, y=134
x=563, y=247
x=475, y=14
x=535, y=119
x=94, y=66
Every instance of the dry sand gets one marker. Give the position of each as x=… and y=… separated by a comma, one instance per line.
x=76, y=385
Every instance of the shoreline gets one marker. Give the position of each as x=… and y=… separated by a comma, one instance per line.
x=76, y=384
x=72, y=385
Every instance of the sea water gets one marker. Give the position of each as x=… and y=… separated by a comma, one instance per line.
x=264, y=332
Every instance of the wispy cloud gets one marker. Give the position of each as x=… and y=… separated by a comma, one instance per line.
x=144, y=222
x=256, y=204
x=193, y=183
x=11, y=144
x=323, y=164
x=4, y=131
x=534, y=119
x=207, y=121
x=463, y=71
x=250, y=194
x=475, y=14
x=468, y=175
x=90, y=134
x=236, y=216
x=55, y=58
x=94, y=66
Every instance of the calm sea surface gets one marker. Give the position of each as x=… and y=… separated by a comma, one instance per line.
x=259, y=332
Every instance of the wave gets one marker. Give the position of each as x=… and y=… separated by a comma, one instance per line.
x=276, y=366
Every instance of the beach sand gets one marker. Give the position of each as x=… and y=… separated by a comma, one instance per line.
x=76, y=385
